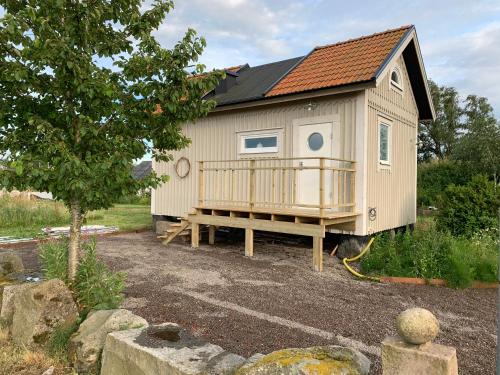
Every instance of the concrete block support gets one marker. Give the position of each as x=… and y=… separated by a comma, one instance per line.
x=399, y=357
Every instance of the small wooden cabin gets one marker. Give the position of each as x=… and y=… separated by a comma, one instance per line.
x=322, y=143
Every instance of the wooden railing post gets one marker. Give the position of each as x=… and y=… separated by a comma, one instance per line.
x=353, y=186
x=321, y=186
x=201, y=186
x=251, y=188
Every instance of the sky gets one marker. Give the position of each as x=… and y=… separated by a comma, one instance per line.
x=459, y=39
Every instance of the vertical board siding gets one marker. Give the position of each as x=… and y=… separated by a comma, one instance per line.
x=215, y=138
x=393, y=192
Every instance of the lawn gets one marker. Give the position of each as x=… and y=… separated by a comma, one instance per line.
x=24, y=218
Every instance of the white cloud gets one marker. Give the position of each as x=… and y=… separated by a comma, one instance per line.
x=460, y=39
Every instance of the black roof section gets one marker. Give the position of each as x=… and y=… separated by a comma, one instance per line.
x=142, y=169
x=251, y=83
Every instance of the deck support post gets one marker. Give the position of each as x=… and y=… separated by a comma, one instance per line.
x=211, y=234
x=248, y=242
x=195, y=235
x=318, y=254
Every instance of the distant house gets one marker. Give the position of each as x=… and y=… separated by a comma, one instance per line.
x=142, y=169
x=325, y=142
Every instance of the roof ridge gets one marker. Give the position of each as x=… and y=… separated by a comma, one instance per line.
x=405, y=27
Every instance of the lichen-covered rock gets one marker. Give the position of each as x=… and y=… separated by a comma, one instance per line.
x=318, y=360
x=85, y=346
x=39, y=308
x=10, y=263
x=417, y=326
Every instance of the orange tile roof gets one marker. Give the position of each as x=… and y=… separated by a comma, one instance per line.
x=352, y=61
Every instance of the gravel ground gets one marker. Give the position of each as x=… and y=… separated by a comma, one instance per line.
x=274, y=300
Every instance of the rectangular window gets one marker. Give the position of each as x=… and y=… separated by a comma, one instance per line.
x=259, y=143
x=384, y=143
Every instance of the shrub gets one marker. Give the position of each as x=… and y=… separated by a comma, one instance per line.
x=429, y=253
x=433, y=177
x=143, y=199
x=54, y=259
x=467, y=209
x=95, y=286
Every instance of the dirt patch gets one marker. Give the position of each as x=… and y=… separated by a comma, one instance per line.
x=274, y=300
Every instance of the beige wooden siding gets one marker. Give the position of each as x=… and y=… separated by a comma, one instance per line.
x=392, y=191
x=215, y=138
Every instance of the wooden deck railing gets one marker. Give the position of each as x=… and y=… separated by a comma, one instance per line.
x=324, y=184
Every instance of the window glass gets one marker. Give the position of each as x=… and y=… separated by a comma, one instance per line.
x=384, y=143
x=261, y=142
x=395, y=77
x=315, y=141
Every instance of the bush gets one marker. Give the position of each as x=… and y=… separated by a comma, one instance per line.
x=433, y=177
x=142, y=199
x=54, y=259
x=467, y=209
x=429, y=254
x=95, y=286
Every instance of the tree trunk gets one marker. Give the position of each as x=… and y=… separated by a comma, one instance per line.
x=74, y=239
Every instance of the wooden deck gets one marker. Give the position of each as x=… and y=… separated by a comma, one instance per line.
x=265, y=195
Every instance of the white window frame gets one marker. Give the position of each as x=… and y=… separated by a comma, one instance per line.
x=383, y=121
x=398, y=87
x=274, y=151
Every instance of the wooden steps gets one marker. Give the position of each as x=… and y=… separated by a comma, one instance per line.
x=174, y=230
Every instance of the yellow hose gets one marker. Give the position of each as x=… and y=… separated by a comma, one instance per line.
x=353, y=271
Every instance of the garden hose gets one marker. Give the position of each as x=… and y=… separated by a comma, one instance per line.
x=353, y=271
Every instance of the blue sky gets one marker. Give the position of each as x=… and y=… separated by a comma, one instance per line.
x=460, y=39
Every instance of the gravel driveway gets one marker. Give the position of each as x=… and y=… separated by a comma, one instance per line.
x=274, y=300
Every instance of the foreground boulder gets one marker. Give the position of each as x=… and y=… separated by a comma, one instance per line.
x=10, y=263
x=85, y=346
x=6, y=304
x=164, y=349
x=318, y=360
x=40, y=308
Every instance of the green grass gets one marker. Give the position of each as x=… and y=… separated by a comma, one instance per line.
x=25, y=218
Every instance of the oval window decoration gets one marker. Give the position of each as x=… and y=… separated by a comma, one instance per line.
x=315, y=141
x=182, y=167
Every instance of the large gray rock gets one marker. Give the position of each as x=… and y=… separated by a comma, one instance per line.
x=7, y=306
x=164, y=349
x=351, y=248
x=85, y=346
x=39, y=308
x=10, y=263
x=417, y=326
x=332, y=360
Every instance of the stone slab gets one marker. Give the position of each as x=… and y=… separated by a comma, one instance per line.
x=132, y=352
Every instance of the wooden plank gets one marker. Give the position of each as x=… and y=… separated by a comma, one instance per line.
x=211, y=235
x=321, y=186
x=249, y=242
x=195, y=235
x=318, y=254
x=260, y=224
x=281, y=211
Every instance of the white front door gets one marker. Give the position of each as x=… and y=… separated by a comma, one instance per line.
x=313, y=140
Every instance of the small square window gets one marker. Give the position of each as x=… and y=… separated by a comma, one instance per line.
x=259, y=143
x=384, y=143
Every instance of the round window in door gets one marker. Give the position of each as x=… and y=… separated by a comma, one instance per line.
x=315, y=141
